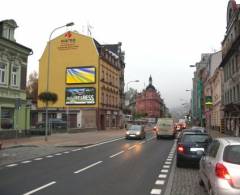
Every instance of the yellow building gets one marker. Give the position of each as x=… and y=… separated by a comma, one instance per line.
x=74, y=69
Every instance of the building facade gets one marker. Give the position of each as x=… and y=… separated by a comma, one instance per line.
x=87, y=78
x=231, y=70
x=14, y=111
x=149, y=101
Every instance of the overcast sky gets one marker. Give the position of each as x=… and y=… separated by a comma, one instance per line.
x=159, y=37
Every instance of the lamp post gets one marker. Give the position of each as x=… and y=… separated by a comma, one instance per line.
x=48, y=64
x=135, y=81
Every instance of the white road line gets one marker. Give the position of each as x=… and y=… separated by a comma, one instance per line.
x=166, y=166
x=131, y=147
x=12, y=165
x=103, y=143
x=114, y=155
x=168, y=162
x=164, y=171
x=88, y=167
x=160, y=182
x=38, y=158
x=143, y=142
x=66, y=152
x=40, y=188
x=49, y=156
x=169, y=159
x=162, y=176
x=156, y=191
x=58, y=154
x=150, y=138
x=26, y=161
x=77, y=149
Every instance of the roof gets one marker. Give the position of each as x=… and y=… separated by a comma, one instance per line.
x=230, y=140
x=150, y=86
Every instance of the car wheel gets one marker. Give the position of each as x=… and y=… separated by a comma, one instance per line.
x=179, y=164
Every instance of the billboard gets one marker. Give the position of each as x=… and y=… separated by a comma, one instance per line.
x=81, y=75
x=80, y=96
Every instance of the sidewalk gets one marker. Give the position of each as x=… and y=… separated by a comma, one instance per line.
x=15, y=150
x=64, y=139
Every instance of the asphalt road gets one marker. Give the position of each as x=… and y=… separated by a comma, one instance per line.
x=117, y=167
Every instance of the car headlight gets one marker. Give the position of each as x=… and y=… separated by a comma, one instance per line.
x=138, y=133
x=127, y=132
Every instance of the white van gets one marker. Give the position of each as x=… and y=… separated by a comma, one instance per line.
x=165, y=128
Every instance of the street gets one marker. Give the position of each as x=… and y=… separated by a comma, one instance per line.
x=117, y=167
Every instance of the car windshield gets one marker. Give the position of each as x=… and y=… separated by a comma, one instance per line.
x=232, y=154
x=191, y=138
x=135, y=128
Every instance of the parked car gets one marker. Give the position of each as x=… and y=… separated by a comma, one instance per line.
x=135, y=131
x=165, y=128
x=193, y=130
x=220, y=167
x=190, y=148
x=54, y=123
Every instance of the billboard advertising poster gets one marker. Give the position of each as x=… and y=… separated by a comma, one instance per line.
x=81, y=75
x=81, y=96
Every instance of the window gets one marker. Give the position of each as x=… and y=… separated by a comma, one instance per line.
x=2, y=73
x=213, y=149
x=238, y=93
x=234, y=94
x=14, y=76
x=232, y=154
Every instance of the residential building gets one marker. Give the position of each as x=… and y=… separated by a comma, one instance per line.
x=198, y=117
x=14, y=111
x=231, y=70
x=88, y=79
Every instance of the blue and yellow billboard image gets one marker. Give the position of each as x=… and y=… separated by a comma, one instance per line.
x=81, y=75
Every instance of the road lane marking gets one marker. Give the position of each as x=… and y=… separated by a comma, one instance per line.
x=74, y=150
x=12, y=165
x=151, y=138
x=169, y=159
x=114, y=155
x=168, y=162
x=67, y=152
x=38, y=158
x=40, y=188
x=99, y=144
x=166, y=166
x=162, y=176
x=130, y=148
x=156, y=191
x=88, y=167
x=49, y=156
x=26, y=161
x=164, y=171
x=143, y=142
x=160, y=182
x=58, y=154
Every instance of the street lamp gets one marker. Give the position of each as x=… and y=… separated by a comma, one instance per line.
x=192, y=66
x=48, y=64
x=188, y=90
x=135, y=81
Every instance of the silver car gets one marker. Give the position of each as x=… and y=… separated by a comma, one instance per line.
x=220, y=167
x=135, y=131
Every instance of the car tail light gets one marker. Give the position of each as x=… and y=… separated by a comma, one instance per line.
x=222, y=172
x=180, y=148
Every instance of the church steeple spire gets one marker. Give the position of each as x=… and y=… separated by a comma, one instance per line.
x=150, y=80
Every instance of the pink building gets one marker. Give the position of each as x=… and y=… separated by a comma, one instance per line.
x=148, y=102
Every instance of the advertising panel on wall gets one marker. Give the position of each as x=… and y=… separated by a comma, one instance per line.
x=81, y=75
x=80, y=96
